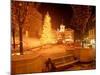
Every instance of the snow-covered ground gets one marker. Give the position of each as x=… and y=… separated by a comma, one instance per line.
x=37, y=58
x=28, y=42
x=34, y=59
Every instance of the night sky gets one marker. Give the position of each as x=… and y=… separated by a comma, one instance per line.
x=64, y=13
x=60, y=13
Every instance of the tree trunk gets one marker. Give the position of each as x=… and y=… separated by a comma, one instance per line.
x=21, y=39
x=13, y=34
x=22, y=13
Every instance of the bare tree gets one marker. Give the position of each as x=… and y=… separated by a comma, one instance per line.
x=20, y=14
x=13, y=22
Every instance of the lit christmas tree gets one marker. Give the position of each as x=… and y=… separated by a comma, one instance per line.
x=47, y=35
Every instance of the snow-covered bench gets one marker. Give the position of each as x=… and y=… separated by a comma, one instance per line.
x=60, y=63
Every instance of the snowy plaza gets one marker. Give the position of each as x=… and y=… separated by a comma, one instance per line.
x=47, y=37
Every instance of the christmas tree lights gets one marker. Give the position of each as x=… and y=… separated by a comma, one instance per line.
x=47, y=35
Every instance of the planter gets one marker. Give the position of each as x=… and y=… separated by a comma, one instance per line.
x=87, y=55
